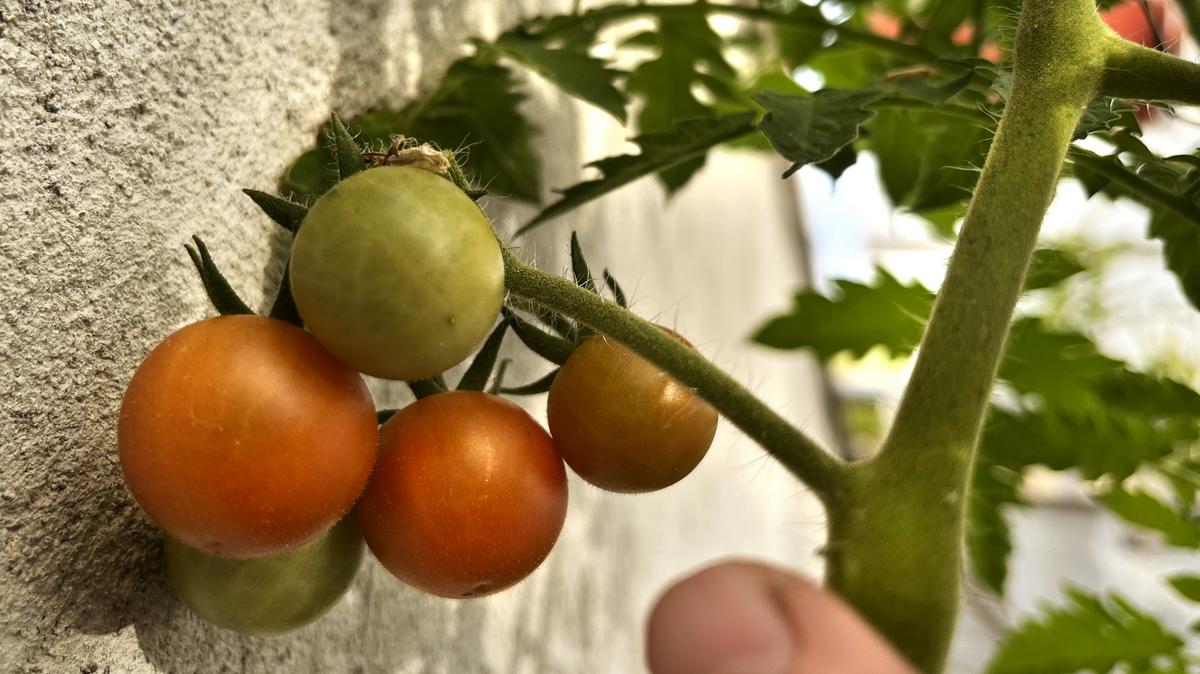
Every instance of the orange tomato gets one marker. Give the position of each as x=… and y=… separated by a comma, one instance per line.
x=468, y=497
x=242, y=437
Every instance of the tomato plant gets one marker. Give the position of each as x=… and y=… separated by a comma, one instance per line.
x=397, y=272
x=468, y=497
x=268, y=595
x=242, y=437
x=622, y=423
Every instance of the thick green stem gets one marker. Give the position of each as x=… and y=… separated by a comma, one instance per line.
x=896, y=541
x=802, y=456
x=1140, y=73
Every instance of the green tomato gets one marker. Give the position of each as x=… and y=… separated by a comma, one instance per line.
x=397, y=272
x=268, y=595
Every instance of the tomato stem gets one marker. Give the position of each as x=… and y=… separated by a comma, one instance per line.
x=804, y=457
x=896, y=543
x=1141, y=73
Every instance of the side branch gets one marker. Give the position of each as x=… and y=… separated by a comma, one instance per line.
x=1140, y=73
x=807, y=460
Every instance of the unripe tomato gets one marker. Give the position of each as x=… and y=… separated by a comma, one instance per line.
x=623, y=424
x=269, y=595
x=397, y=272
x=242, y=437
x=468, y=498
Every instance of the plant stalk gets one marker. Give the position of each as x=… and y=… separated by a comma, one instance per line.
x=896, y=540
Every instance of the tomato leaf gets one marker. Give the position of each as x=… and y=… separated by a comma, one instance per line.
x=859, y=318
x=1187, y=585
x=808, y=129
x=533, y=388
x=343, y=148
x=688, y=58
x=1145, y=510
x=222, y=295
x=423, y=388
x=575, y=72
x=1181, y=250
x=690, y=138
x=1049, y=267
x=480, y=369
x=1088, y=633
x=553, y=348
x=286, y=214
x=579, y=266
x=498, y=380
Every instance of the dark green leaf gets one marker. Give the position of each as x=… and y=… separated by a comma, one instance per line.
x=552, y=348
x=1049, y=267
x=284, y=307
x=381, y=416
x=423, y=388
x=579, y=266
x=1058, y=366
x=1145, y=510
x=344, y=149
x=950, y=161
x=480, y=370
x=797, y=45
x=561, y=325
x=615, y=289
x=896, y=137
x=312, y=175
x=691, y=138
x=888, y=314
x=1086, y=634
x=575, y=72
x=1100, y=115
x=836, y=165
x=1181, y=248
x=989, y=541
x=222, y=295
x=1187, y=585
x=498, y=381
x=936, y=89
x=284, y=213
x=808, y=129
x=688, y=58
x=533, y=388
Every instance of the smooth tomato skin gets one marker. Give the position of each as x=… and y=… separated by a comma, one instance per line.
x=268, y=595
x=468, y=497
x=397, y=272
x=242, y=437
x=623, y=424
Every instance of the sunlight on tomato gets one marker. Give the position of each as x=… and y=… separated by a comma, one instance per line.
x=468, y=498
x=270, y=595
x=397, y=272
x=242, y=437
x=623, y=424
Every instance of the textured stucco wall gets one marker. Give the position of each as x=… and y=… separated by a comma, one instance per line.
x=125, y=127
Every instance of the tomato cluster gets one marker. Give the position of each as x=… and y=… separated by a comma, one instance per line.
x=254, y=443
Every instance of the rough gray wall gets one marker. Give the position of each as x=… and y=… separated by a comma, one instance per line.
x=128, y=125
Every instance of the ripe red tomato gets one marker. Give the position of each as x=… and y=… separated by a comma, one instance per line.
x=268, y=595
x=242, y=437
x=468, y=497
x=623, y=424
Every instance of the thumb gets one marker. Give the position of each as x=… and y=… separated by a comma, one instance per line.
x=743, y=617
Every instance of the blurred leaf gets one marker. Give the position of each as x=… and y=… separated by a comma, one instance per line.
x=284, y=307
x=1049, y=267
x=989, y=541
x=1145, y=510
x=574, y=71
x=480, y=370
x=1181, y=248
x=950, y=160
x=691, y=138
x=1187, y=585
x=1086, y=634
x=895, y=137
x=1059, y=366
x=222, y=295
x=796, y=45
x=808, y=129
x=615, y=288
x=858, y=318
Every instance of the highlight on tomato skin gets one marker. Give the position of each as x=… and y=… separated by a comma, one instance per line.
x=268, y=595
x=623, y=424
x=243, y=437
x=468, y=497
